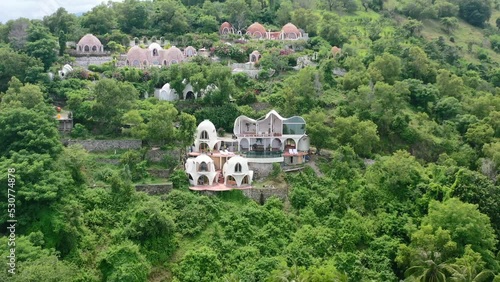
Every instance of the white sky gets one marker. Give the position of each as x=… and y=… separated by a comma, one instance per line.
x=37, y=9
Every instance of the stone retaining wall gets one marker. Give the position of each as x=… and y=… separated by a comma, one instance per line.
x=159, y=173
x=105, y=145
x=92, y=60
x=260, y=195
x=108, y=161
x=260, y=171
x=154, y=189
x=156, y=155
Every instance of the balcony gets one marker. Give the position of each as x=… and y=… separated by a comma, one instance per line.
x=263, y=154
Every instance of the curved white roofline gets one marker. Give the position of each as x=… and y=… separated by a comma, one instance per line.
x=203, y=158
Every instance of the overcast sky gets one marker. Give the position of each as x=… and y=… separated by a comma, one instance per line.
x=37, y=9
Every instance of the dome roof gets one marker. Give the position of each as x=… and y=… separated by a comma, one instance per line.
x=238, y=159
x=171, y=54
x=137, y=53
x=230, y=165
x=255, y=52
x=203, y=158
x=90, y=40
x=166, y=86
x=225, y=25
x=189, y=51
x=290, y=28
x=256, y=27
x=206, y=125
x=335, y=50
x=154, y=45
x=67, y=68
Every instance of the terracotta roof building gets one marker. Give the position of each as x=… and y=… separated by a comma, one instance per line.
x=258, y=31
x=89, y=44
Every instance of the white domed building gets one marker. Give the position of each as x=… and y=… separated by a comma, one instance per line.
x=206, y=137
x=89, y=44
x=237, y=173
x=166, y=93
x=201, y=171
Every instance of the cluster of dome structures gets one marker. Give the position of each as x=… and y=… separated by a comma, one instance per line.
x=155, y=55
x=223, y=163
x=258, y=31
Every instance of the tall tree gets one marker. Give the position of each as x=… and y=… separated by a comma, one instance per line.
x=466, y=225
x=132, y=16
x=20, y=65
x=112, y=100
x=100, y=20
x=42, y=45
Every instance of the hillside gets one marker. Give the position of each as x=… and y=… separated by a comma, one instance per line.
x=396, y=177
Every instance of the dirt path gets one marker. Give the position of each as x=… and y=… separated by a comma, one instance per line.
x=313, y=165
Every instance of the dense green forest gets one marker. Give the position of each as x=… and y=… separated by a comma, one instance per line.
x=403, y=185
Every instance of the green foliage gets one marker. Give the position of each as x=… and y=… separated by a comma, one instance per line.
x=123, y=262
x=154, y=229
x=133, y=162
x=466, y=226
x=199, y=265
x=275, y=172
x=42, y=45
x=112, y=100
x=22, y=66
x=385, y=68
x=475, y=12
x=425, y=110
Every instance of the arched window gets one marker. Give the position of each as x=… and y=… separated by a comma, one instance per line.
x=203, y=166
x=237, y=167
x=155, y=52
x=86, y=48
x=204, y=134
x=94, y=48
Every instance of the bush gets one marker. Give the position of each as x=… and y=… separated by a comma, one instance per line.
x=495, y=43
x=134, y=164
x=276, y=170
x=79, y=131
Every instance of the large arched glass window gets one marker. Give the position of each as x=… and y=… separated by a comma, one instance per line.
x=203, y=166
x=204, y=134
x=237, y=167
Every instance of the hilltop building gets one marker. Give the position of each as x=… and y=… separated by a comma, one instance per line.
x=89, y=45
x=154, y=55
x=258, y=31
x=224, y=163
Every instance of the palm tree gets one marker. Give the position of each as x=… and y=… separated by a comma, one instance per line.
x=470, y=268
x=428, y=268
x=470, y=272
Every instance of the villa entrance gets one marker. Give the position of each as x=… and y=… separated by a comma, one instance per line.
x=203, y=180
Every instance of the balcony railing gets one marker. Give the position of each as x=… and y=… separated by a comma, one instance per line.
x=263, y=154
